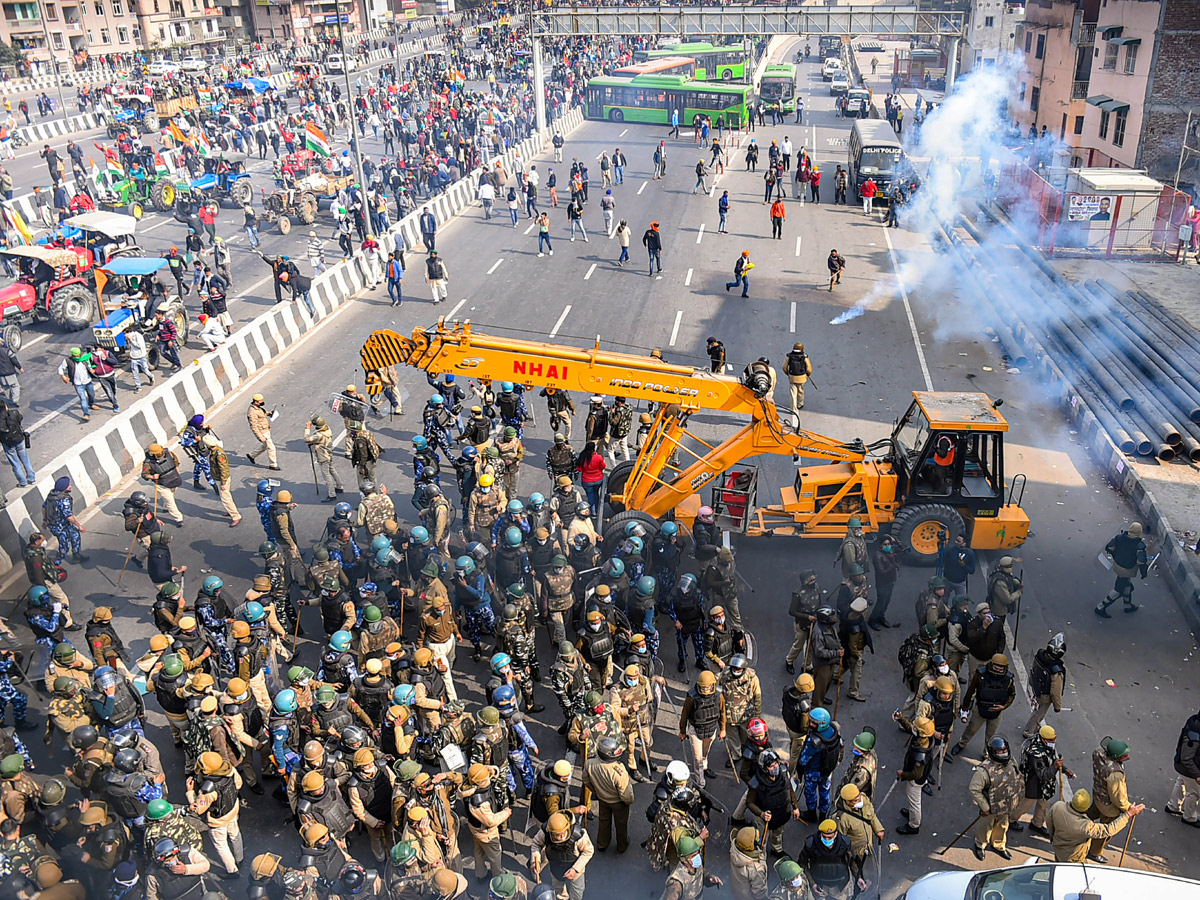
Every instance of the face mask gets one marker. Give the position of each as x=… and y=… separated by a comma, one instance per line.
x=828, y=840
x=1050, y=744
x=718, y=621
x=485, y=490
x=697, y=861
x=594, y=626
x=632, y=682
x=944, y=670
x=859, y=804
x=797, y=883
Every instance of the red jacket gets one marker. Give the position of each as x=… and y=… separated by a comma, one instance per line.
x=593, y=471
x=869, y=189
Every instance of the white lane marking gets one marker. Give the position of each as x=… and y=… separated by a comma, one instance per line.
x=495, y=266
x=532, y=225
x=700, y=233
x=797, y=245
x=586, y=277
x=687, y=280
x=338, y=438
x=60, y=410
x=561, y=319
x=675, y=330
x=157, y=225
x=623, y=133
x=36, y=340
x=458, y=306
x=792, y=320
x=912, y=322
x=642, y=188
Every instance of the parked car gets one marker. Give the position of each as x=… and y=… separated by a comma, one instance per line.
x=1051, y=881
x=194, y=64
x=163, y=67
x=839, y=83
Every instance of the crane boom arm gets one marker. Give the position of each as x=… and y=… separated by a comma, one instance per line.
x=456, y=349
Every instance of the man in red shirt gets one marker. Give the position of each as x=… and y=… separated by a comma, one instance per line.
x=868, y=195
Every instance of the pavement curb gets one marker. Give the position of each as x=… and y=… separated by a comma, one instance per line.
x=116, y=448
x=1182, y=579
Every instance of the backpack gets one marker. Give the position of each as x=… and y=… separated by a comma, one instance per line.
x=699, y=168
x=366, y=448
x=197, y=740
x=909, y=653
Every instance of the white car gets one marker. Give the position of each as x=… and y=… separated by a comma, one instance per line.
x=832, y=66
x=1052, y=881
x=839, y=83
x=193, y=64
x=336, y=63
x=163, y=67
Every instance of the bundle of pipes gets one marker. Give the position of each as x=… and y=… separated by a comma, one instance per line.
x=1135, y=367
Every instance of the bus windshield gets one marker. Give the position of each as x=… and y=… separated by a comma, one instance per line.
x=875, y=160
x=772, y=89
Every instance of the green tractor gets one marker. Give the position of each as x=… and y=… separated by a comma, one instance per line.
x=133, y=195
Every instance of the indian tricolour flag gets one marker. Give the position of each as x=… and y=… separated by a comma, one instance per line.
x=160, y=165
x=315, y=140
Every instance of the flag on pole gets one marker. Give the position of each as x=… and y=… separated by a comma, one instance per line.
x=160, y=165
x=202, y=144
x=100, y=179
x=315, y=140
x=17, y=221
x=178, y=135
x=112, y=162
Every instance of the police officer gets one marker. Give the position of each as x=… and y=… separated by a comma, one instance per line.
x=1047, y=678
x=1184, y=795
x=701, y=719
x=563, y=847
x=1128, y=553
x=828, y=859
x=797, y=704
x=771, y=798
x=607, y=777
x=993, y=691
x=486, y=815
x=827, y=652
x=1004, y=589
x=552, y=792
x=803, y=610
x=213, y=793
x=1072, y=830
x=685, y=606
x=161, y=467
x=1110, y=794
x=369, y=792
x=996, y=789
x=1040, y=766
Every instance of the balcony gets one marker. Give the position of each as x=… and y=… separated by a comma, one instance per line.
x=1079, y=90
x=20, y=26
x=1087, y=34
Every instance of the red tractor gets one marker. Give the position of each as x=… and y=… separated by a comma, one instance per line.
x=54, y=283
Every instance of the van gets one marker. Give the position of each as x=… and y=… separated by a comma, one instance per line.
x=335, y=64
x=831, y=65
x=858, y=103
x=875, y=153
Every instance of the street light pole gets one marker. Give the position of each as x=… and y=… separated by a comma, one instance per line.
x=62, y=103
x=354, y=136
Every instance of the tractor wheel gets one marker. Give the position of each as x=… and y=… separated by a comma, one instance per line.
x=241, y=192
x=618, y=475
x=285, y=224
x=614, y=529
x=306, y=209
x=13, y=337
x=162, y=195
x=916, y=530
x=73, y=307
x=136, y=209
x=179, y=316
x=150, y=120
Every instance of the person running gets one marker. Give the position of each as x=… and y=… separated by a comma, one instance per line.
x=741, y=273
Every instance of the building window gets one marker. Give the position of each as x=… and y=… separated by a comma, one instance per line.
x=1131, y=51
x=1110, y=55
x=123, y=35
x=1119, y=127
x=51, y=12
x=156, y=6
x=117, y=8
x=105, y=36
x=988, y=21
x=137, y=34
x=100, y=8
x=1041, y=46
x=1079, y=124
x=1021, y=99
x=56, y=39
x=1104, y=117
x=1028, y=41
x=1034, y=96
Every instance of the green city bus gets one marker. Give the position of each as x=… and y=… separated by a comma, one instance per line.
x=728, y=63
x=778, y=86
x=650, y=99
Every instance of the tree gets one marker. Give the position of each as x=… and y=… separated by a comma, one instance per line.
x=11, y=56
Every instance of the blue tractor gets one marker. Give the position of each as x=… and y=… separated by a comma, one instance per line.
x=225, y=179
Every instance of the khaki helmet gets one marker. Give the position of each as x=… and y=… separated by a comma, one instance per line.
x=264, y=866
x=706, y=682
x=262, y=582
x=312, y=782
x=1081, y=801
x=746, y=839
x=562, y=769
x=420, y=780
x=363, y=757
x=478, y=774
x=595, y=617
x=602, y=590
x=999, y=661
x=633, y=671
x=828, y=827
x=155, y=450
x=423, y=657
x=445, y=882
x=804, y=683
x=159, y=643
x=102, y=614
x=187, y=623
x=374, y=666
x=208, y=705
x=313, y=751
x=558, y=827
x=313, y=832
x=924, y=726
x=944, y=684
x=417, y=813
x=646, y=419
x=236, y=688
x=284, y=496
x=201, y=681
x=850, y=793
x=93, y=815
x=240, y=630
x=210, y=762
x=1047, y=733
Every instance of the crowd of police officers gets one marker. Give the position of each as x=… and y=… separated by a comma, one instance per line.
x=403, y=766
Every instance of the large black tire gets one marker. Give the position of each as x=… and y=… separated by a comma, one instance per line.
x=617, y=476
x=73, y=307
x=150, y=121
x=162, y=195
x=284, y=224
x=614, y=529
x=916, y=528
x=616, y=115
x=181, y=324
x=241, y=191
x=306, y=209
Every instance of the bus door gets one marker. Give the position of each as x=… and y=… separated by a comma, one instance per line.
x=595, y=102
x=677, y=100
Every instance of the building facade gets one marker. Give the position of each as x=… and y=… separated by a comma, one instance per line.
x=991, y=32
x=1056, y=42
x=1143, y=84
